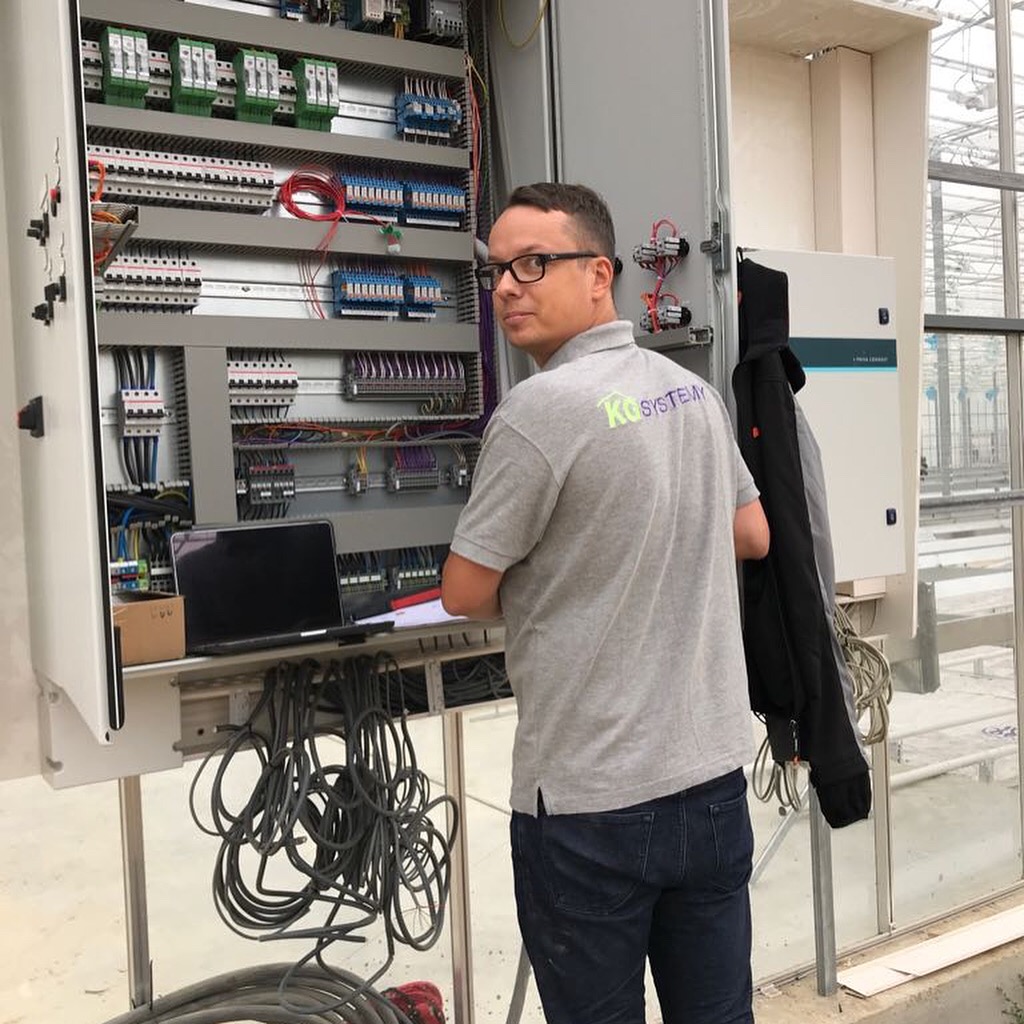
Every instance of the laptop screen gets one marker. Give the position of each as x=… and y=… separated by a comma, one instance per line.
x=250, y=581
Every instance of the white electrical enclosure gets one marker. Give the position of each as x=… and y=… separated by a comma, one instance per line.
x=56, y=362
x=842, y=329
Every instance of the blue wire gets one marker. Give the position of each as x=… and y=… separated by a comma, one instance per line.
x=122, y=540
x=152, y=463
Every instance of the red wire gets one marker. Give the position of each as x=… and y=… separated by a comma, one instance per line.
x=321, y=182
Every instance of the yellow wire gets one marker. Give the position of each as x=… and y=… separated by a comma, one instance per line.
x=172, y=494
x=533, y=31
x=483, y=84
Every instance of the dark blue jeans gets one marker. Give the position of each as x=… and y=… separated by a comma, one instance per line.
x=598, y=894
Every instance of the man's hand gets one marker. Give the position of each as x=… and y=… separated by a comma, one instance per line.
x=470, y=589
x=750, y=531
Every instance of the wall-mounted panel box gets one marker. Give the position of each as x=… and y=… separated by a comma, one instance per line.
x=841, y=313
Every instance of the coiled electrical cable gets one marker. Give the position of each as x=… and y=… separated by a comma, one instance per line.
x=464, y=681
x=772, y=781
x=359, y=833
x=251, y=994
x=872, y=678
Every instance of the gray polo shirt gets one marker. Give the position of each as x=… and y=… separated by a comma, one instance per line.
x=605, y=491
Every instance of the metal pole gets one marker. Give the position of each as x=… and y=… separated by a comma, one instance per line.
x=462, y=946
x=140, y=969
x=1015, y=395
x=943, y=438
x=884, y=910
x=824, y=910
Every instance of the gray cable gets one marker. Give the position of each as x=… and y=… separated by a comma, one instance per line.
x=251, y=994
x=515, y=1006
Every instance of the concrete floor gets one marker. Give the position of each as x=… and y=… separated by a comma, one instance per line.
x=62, y=954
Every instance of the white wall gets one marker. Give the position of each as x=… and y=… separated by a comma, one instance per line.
x=771, y=149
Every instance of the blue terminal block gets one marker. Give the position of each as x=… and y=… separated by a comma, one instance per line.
x=422, y=294
x=427, y=117
x=435, y=205
x=372, y=293
x=371, y=195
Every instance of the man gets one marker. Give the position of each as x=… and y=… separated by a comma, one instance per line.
x=609, y=505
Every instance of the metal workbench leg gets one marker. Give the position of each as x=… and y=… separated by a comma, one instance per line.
x=458, y=904
x=824, y=908
x=140, y=970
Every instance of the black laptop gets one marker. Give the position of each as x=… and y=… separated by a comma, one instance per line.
x=253, y=587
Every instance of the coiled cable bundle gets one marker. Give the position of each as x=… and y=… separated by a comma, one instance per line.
x=251, y=994
x=464, y=681
x=359, y=834
x=872, y=678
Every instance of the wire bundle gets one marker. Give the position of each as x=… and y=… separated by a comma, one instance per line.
x=662, y=266
x=136, y=371
x=358, y=834
x=321, y=182
x=468, y=681
x=872, y=692
x=872, y=678
x=251, y=995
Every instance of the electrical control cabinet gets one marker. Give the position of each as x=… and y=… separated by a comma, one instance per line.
x=247, y=296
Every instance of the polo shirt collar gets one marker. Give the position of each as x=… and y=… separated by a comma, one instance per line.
x=614, y=334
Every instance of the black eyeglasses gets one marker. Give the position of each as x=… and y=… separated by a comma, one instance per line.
x=525, y=269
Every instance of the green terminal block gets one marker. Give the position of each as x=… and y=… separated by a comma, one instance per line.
x=125, y=66
x=316, y=94
x=258, y=85
x=194, y=77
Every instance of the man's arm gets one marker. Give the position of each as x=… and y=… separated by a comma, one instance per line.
x=470, y=589
x=750, y=531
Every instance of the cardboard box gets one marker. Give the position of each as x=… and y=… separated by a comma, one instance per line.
x=152, y=627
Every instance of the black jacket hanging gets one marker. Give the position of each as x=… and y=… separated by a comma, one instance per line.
x=796, y=682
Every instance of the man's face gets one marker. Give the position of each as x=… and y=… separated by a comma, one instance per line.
x=541, y=316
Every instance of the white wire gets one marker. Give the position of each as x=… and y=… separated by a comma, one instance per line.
x=872, y=678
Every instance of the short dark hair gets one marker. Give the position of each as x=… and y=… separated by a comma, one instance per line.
x=587, y=209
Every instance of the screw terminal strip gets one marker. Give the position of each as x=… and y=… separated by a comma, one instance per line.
x=405, y=375
x=413, y=469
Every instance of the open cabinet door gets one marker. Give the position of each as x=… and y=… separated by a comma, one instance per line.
x=635, y=118
x=56, y=360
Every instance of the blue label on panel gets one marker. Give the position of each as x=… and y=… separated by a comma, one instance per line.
x=845, y=353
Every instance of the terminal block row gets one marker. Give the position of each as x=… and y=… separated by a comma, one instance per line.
x=253, y=85
x=183, y=179
x=409, y=202
x=405, y=375
x=383, y=293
